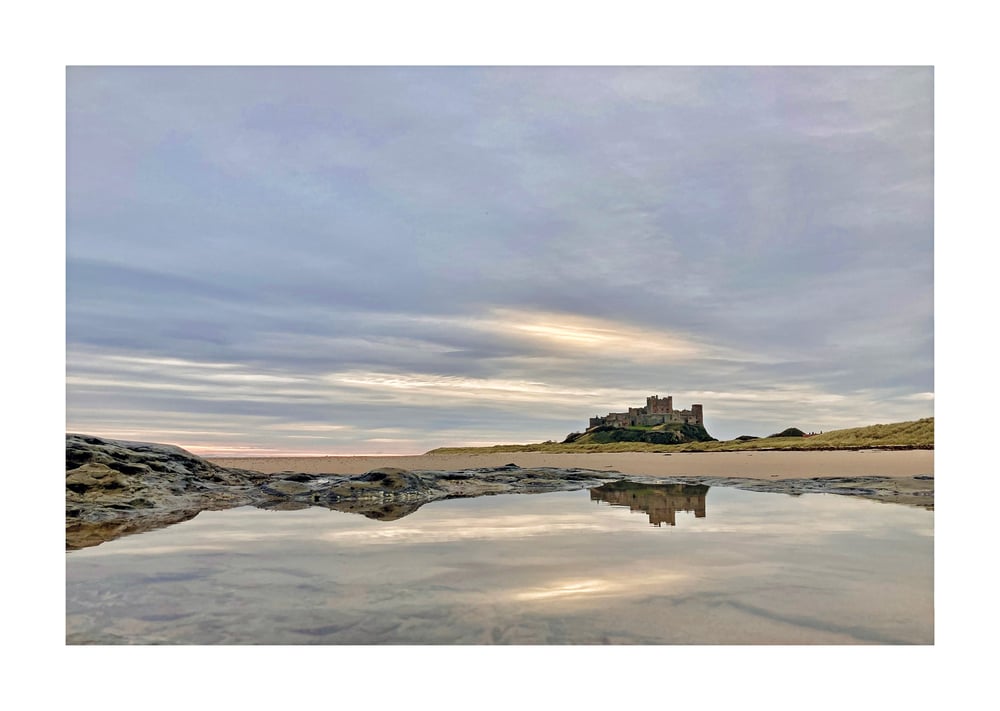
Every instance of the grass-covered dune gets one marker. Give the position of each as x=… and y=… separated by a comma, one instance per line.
x=917, y=434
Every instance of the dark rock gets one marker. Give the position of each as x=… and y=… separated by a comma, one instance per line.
x=301, y=477
x=390, y=479
x=285, y=487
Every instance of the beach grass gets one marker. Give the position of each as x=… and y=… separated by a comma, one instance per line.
x=917, y=434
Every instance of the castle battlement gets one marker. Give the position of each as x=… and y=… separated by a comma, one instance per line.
x=658, y=411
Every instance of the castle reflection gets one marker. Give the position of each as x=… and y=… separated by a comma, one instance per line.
x=660, y=501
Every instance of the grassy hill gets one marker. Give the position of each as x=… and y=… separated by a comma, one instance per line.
x=918, y=434
x=667, y=433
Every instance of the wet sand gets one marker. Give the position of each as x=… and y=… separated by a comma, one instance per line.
x=755, y=465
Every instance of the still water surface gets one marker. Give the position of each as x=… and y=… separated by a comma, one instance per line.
x=579, y=567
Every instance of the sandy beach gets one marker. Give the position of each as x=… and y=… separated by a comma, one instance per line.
x=756, y=465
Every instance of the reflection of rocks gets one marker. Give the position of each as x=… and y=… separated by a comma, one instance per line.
x=910, y=491
x=388, y=493
x=116, y=488
x=381, y=512
x=83, y=534
x=384, y=494
x=370, y=509
x=660, y=501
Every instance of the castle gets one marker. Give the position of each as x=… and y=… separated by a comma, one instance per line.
x=658, y=410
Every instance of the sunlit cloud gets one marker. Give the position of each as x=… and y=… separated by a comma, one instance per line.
x=240, y=451
x=579, y=336
x=309, y=427
x=142, y=363
x=570, y=332
x=416, y=387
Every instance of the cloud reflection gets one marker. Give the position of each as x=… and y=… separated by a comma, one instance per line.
x=495, y=528
x=573, y=589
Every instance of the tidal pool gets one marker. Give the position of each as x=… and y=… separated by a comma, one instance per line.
x=613, y=565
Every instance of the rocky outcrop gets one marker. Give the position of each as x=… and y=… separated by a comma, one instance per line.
x=115, y=488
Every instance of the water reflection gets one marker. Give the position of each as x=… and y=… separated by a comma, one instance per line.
x=660, y=501
x=539, y=569
x=376, y=509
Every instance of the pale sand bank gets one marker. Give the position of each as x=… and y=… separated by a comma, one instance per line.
x=756, y=465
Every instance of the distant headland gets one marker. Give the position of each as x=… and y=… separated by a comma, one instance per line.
x=673, y=433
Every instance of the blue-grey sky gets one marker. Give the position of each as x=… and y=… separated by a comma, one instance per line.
x=362, y=260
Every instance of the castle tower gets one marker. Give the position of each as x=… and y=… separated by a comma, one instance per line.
x=656, y=405
x=699, y=416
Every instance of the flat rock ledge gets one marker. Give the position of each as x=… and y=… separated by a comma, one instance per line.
x=910, y=491
x=116, y=488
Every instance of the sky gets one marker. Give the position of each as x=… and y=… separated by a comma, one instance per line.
x=361, y=260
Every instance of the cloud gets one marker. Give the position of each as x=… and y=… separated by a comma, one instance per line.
x=588, y=234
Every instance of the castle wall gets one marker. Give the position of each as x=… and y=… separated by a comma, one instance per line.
x=656, y=412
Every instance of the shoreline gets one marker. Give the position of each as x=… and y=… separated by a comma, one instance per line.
x=116, y=488
x=757, y=464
